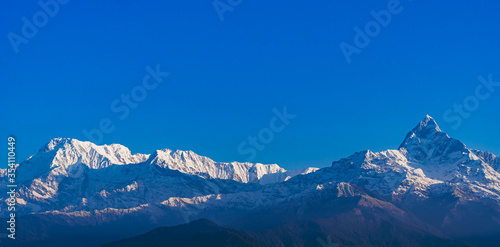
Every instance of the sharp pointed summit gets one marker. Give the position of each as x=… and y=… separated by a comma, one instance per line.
x=427, y=142
x=428, y=124
x=427, y=128
x=52, y=144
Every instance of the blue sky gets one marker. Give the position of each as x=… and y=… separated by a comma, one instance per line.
x=227, y=76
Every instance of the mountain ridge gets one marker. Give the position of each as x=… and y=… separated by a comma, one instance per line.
x=432, y=176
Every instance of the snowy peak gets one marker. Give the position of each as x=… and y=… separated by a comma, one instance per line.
x=52, y=144
x=64, y=152
x=427, y=160
x=70, y=157
x=426, y=129
x=426, y=142
x=183, y=161
x=191, y=163
x=427, y=125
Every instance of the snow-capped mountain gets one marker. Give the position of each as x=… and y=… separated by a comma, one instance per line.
x=189, y=162
x=69, y=175
x=431, y=181
x=428, y=161
x=433, y=176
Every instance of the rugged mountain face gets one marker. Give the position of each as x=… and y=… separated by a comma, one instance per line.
x=432, y=187
x=433, y=176
x=428, y=161
x=427, y=144
x=68, y=175
x=188, y=162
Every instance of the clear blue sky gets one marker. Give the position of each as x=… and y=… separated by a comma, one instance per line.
x=226, y=77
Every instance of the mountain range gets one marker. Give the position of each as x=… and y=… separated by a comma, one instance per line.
x=431, y=191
